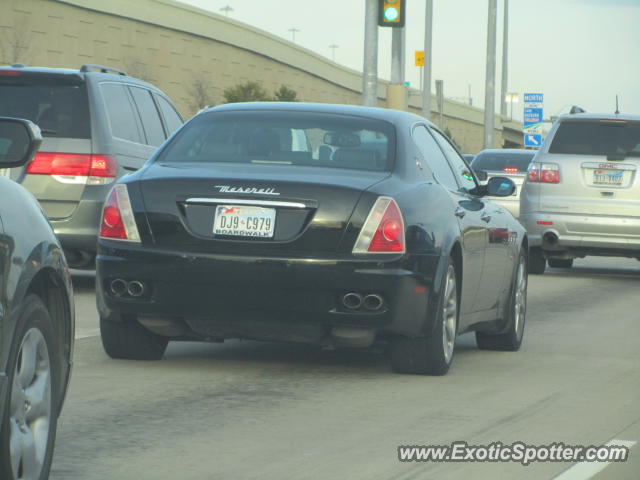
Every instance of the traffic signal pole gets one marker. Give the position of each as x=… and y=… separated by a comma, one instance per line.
x=397, y=91
x=370, y=68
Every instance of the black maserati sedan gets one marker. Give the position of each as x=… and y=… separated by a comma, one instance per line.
x=332, y=225
x=36, y=317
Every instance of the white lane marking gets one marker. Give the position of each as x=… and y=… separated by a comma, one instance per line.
x=94, y=332
x=586, y=470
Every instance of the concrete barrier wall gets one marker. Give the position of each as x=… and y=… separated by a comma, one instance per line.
x=182, y=49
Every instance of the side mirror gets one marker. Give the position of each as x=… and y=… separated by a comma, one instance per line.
x=481, y=175
x=500, y=187
x=19, y=141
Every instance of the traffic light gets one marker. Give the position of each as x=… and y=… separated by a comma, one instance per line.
x=391, y=13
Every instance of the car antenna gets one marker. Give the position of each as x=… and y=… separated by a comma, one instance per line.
x=617, y=108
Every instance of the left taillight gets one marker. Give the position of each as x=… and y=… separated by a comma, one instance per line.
x=76, y=168
x=118, y=222
x=383, y=231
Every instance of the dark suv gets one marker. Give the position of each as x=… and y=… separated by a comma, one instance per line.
x=98, y=124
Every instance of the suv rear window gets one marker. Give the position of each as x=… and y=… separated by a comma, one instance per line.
x=61, y=111
x=502, y=161
x=285, y=138
x=599, y=137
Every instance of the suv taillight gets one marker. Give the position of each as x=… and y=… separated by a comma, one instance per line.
x=383, y=231
x=118, y=222
x=75, y=167
x=544, y=173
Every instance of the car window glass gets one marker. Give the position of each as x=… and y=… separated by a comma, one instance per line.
x=148, y=115
x=171, y=117
x=122, y=116
x=434, y=157
x=303, y=139
x=61, y=111
x=597, y=138
x=460, y=167
x=503, y=161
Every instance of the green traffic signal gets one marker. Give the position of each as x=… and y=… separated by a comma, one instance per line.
x=391, y=14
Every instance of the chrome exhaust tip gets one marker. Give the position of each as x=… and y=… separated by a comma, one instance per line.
x=135, y=289
x=373, y=301
x=118, y=287
x=550, y=239
x=352, y=300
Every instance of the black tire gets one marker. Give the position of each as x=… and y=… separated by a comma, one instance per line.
x=129, y=340
x=35, y=323
x=427, y=355
x=537, y=262
x=560, y=263
x=511, y=340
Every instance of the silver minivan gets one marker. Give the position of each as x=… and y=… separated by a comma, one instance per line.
x=582, y=193
x=98, y=124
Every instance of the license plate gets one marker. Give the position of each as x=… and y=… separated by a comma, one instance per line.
x=608, y=177
x=240, y=221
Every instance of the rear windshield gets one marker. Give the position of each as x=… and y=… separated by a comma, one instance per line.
x=597, y=138
x=285, y=138
x=59, y=110
x=503, y=161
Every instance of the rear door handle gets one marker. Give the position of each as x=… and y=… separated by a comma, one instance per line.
x=460, y=213
x=485, y=217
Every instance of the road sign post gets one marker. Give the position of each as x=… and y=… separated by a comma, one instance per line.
x=533, y=115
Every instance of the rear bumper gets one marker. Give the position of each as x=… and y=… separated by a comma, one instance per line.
x=584, y=233
x=80, y=230
x=265, y=298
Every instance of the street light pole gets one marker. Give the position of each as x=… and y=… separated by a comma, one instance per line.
x=333, y=47
x=293, y=31
x=428, y=55
x=505, y=48
x=490, y=81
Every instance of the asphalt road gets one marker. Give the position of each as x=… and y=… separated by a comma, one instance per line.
x=249, y=410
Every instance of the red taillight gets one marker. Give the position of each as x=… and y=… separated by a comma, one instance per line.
x=112, y=224
x=511, y=170
x=118, y=222
x=9, y=73
x=383, y=231
x=75, y=167
x=544, y=173
x=539, y=222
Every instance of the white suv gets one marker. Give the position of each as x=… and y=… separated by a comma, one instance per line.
x=582, y=193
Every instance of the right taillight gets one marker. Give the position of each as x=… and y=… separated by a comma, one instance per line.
x=544, y=173
x=76, y=168
x=118, y=222
x=383, y=231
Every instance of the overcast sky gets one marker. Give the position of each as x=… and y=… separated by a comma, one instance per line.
x=581, y=52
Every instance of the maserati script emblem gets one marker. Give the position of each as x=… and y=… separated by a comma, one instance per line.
x=257, y=191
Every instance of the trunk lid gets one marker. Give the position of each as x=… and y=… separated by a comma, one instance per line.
x=281, y=210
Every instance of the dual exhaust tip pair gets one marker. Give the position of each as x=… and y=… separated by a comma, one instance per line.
x=133, y=288
x=354, y=301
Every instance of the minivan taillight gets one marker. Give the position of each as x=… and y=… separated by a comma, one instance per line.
x=544, y=173
x=383, y=231
x=75, y=167
x=118, y=222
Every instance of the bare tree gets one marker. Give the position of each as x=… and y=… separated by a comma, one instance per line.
x=138, y=69
x=200, y=92
x=16, y=43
